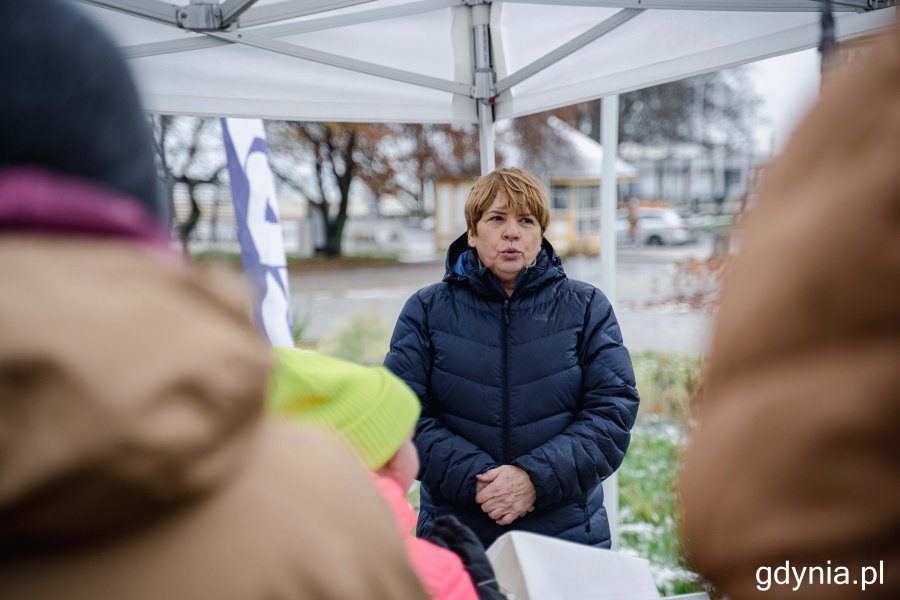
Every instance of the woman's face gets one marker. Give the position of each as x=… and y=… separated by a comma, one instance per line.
x=506, y=242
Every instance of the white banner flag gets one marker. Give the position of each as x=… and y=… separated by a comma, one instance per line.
x=259, y=230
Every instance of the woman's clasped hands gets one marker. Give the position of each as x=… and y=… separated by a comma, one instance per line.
x=505, y=493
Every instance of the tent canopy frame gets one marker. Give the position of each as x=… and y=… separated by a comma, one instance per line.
x=238, y=21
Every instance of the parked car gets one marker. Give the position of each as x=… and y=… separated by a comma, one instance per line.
x=656, y=227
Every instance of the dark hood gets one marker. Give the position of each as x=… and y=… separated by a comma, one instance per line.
x=464, y=268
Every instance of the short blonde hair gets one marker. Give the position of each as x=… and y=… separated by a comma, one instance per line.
x=524, y=194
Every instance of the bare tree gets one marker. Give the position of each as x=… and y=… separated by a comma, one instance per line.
x=417, y=153
x=714, y=109
x=187, y=156
x=320, y=160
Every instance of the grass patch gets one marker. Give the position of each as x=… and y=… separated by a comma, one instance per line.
x=648, y=500
x=357, y=261
x=308, y=264
x=648, y=505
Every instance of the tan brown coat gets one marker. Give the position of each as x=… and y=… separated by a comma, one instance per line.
x=797, y=453
x=135, y=460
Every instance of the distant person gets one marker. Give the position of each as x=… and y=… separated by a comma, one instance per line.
x=634, y=222
x=136, y=464
x=528, y=394
x=791, y=486
x=375, y=413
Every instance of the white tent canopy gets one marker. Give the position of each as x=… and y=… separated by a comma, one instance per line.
x=432, y=61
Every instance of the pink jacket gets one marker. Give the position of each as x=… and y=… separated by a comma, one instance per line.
x=440, y=570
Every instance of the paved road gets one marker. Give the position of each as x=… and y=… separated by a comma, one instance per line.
x=643, y=280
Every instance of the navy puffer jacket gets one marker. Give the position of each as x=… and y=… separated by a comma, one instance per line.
x=539, y=380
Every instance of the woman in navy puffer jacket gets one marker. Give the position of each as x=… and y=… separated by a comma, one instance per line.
x=528, y=395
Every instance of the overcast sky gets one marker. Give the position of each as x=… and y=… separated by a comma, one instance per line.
x=789, y=85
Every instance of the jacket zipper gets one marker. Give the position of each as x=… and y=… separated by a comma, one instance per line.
x=505, y=460
x=506, y=452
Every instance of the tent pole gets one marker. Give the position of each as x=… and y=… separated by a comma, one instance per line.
x=609, y=135
x=484, y=84
x=486, y=137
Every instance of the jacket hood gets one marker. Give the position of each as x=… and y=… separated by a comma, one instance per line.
x=464, y=267
x=129, y=382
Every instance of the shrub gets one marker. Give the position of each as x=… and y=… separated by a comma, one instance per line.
x=364, y=339
x=300, y=320
x=667, y=384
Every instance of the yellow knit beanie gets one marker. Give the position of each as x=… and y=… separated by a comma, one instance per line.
x=368, y=407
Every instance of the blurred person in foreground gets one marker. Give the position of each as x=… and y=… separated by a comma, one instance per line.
x=136, y=463
x=796, y=458
x=527, y=391
x=374, y=412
